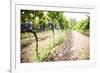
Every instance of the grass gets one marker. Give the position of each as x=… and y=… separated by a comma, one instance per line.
x=85, y=53
x=43, y=52
x=84, y=32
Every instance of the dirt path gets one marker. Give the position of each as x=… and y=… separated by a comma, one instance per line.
x=79, y=40
x=80, y=46
x=75, y=47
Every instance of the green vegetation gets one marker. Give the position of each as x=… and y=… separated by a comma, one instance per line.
x=83, y=26
x=50, y=48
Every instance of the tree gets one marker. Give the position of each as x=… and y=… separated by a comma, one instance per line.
x=31, y=16
x=58, y=19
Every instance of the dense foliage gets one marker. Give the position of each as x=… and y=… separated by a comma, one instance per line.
x=40, y=19
x=83, y=26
